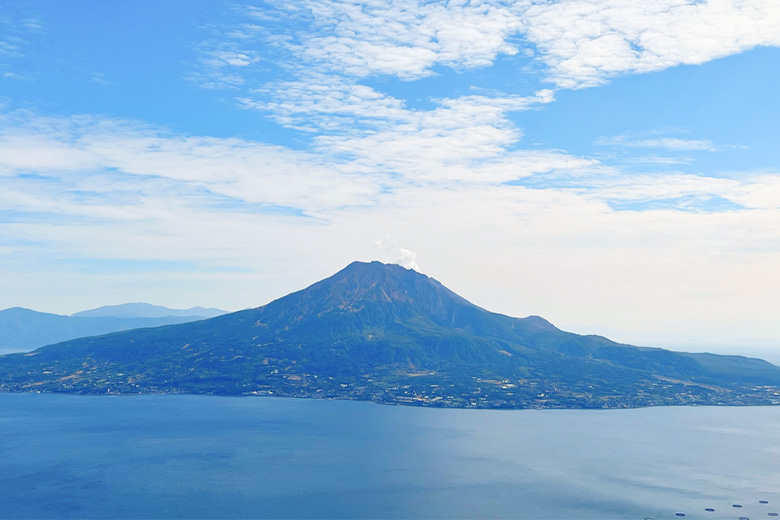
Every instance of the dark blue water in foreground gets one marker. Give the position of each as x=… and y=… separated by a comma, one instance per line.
x=216, y=457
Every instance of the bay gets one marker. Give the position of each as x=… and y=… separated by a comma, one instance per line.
x=184, y=456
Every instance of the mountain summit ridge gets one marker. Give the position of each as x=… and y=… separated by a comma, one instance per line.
x=360, y=284
x=385, y=333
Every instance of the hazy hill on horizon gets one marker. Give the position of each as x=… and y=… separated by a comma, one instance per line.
x=147, y=310
x=22, y=330
x=388, y=334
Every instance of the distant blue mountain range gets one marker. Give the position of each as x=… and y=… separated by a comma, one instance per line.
x=146, y=310
x=22, y=329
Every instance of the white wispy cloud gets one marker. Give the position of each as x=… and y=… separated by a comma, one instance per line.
x=656, y=159
x=233, y=58
x=404, y=38
x=335, y=46
x=378, y=132
x=581, y=42
x=224, y=60
x=100, y=79
x=128, y=162
x=687, y=192
x=586, y=42
x=18, y=30
x=247, y=171
x=667, y=143
x=324, y=103
x=468, y=128
x=85, y=191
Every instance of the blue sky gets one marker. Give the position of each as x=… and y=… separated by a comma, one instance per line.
x=608, y=164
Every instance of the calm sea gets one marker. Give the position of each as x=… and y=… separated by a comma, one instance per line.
x=217, y=457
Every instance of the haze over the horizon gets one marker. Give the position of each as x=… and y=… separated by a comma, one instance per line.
x=610, y=165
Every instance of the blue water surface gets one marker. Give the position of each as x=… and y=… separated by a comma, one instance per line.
x=179, y=456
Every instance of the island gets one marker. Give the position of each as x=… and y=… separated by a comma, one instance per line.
x=383, y=333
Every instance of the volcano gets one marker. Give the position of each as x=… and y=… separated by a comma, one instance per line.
x=384, y=333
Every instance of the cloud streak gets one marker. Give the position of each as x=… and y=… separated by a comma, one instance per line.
x=18, y=30
x=665, y=143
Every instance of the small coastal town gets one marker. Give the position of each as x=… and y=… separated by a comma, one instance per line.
x=415, y=389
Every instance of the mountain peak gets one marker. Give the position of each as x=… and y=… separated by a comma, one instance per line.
x=369, y=293
x=389, y=334
x=17, y=309
x=377, y=281
x=375, y=267
x=362, y=278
